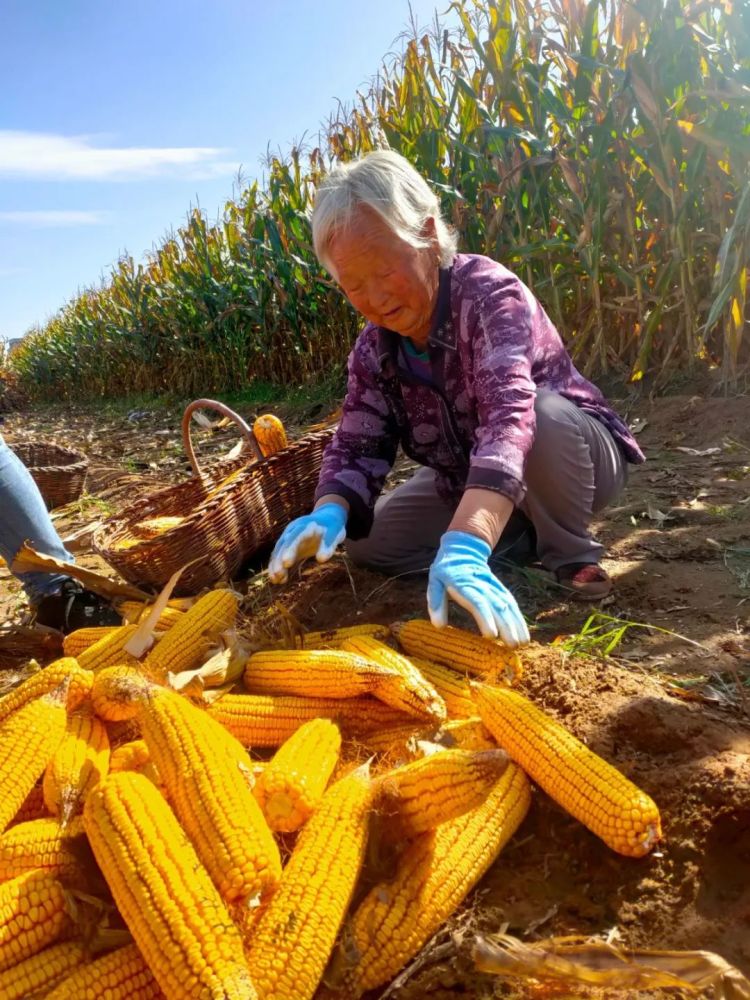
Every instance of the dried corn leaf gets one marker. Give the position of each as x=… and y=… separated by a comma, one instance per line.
x=143, y=638
x=225, y=666
x=29, y=560
x=571, y=961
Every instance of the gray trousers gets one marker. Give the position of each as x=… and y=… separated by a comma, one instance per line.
x=574, y=469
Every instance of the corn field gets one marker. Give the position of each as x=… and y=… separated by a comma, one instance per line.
x=601, y=150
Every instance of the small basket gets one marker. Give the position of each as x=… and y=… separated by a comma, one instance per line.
x=219, y=532
x=58, y=472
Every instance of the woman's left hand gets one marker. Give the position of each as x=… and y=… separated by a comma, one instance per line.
x=461, y=571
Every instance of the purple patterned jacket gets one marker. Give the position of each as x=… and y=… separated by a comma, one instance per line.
x=491, y=346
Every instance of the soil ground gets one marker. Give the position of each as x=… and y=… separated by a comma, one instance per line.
x=671, y=708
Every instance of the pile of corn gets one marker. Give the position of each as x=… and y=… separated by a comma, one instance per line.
x=238, y=874
x=271, y=437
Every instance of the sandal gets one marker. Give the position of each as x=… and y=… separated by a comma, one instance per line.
x=586, y=580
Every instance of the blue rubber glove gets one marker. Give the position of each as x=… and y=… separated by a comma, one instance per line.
x=315, y=534
x=461, y=571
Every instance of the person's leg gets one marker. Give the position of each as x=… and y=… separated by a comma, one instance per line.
x=574, y=469
x=405, y=534
x=409, y=522
x=24, y=517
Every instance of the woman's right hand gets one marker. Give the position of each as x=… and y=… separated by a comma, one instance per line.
x=317, y=534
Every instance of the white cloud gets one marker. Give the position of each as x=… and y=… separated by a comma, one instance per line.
x=45, y=156
x=55, y=218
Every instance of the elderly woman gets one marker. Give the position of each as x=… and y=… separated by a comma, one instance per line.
x=461, y=366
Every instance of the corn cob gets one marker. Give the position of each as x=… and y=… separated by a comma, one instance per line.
x=109, y=650
x=186, y=643
x=314, y=673
x=590, y=788
x=28, y=740
x=206, y=774
x=270, y=434
x=291, y=785
x=134, y=612
x=409, y=691
x=152, y=527
x=83, y=638
x=32, y=807
x=121, y=732
x=116, y=692
x=452, y=687
x=32, y=915
x=417, y=797
x=435, y=873
x=130, y=756
x=293, y=939
x=467, y=734
x=398, y=742
x=36, y=975
x=42, y=844
x=79, y=686
x=134, y=756
x=461, y=650
x=81, y=760
x=331, y=638
x=165, y=895
x=122, y=974
x=268, y=720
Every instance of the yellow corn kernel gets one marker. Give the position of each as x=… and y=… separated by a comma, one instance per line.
x=186, y=643
x=80, y=761
x=43, y=844
x=452, y=687
x=83, y=638
x=270, y=434
x=28, y=740
x=408, y=691
x=291, y=785
x=121, y=974
x=399, y=742
x=129, y=757
x=467, y=734
x=134, y=612
x=435, y=874
x=292, y=941
x=36, y=975
x=590, y=788
x=39, y=683
x=454, y=647
x=259, y=720
x=134, y=756
x=152, y=527
x=332, y=638
x=32, y=807
x=32, y=915
x=208, y=778
x=314, y=673
x=117, y=692
x=109, y=650
x=166, y=897
x=417, y=797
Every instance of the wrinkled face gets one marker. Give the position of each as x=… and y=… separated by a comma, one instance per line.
x=388, y=281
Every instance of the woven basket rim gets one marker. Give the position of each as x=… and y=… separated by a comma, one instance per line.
x=62, y=452
x=114, y=527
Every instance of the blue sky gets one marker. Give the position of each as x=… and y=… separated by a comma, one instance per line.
x=116, y=117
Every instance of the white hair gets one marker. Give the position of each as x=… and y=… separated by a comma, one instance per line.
x=388, y=184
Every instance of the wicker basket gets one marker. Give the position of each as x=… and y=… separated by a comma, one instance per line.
x=217, y=534
x=58, y=472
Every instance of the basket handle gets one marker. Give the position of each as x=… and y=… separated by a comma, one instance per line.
x=214, y=404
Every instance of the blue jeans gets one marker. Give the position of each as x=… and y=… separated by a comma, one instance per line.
x=24, y=517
